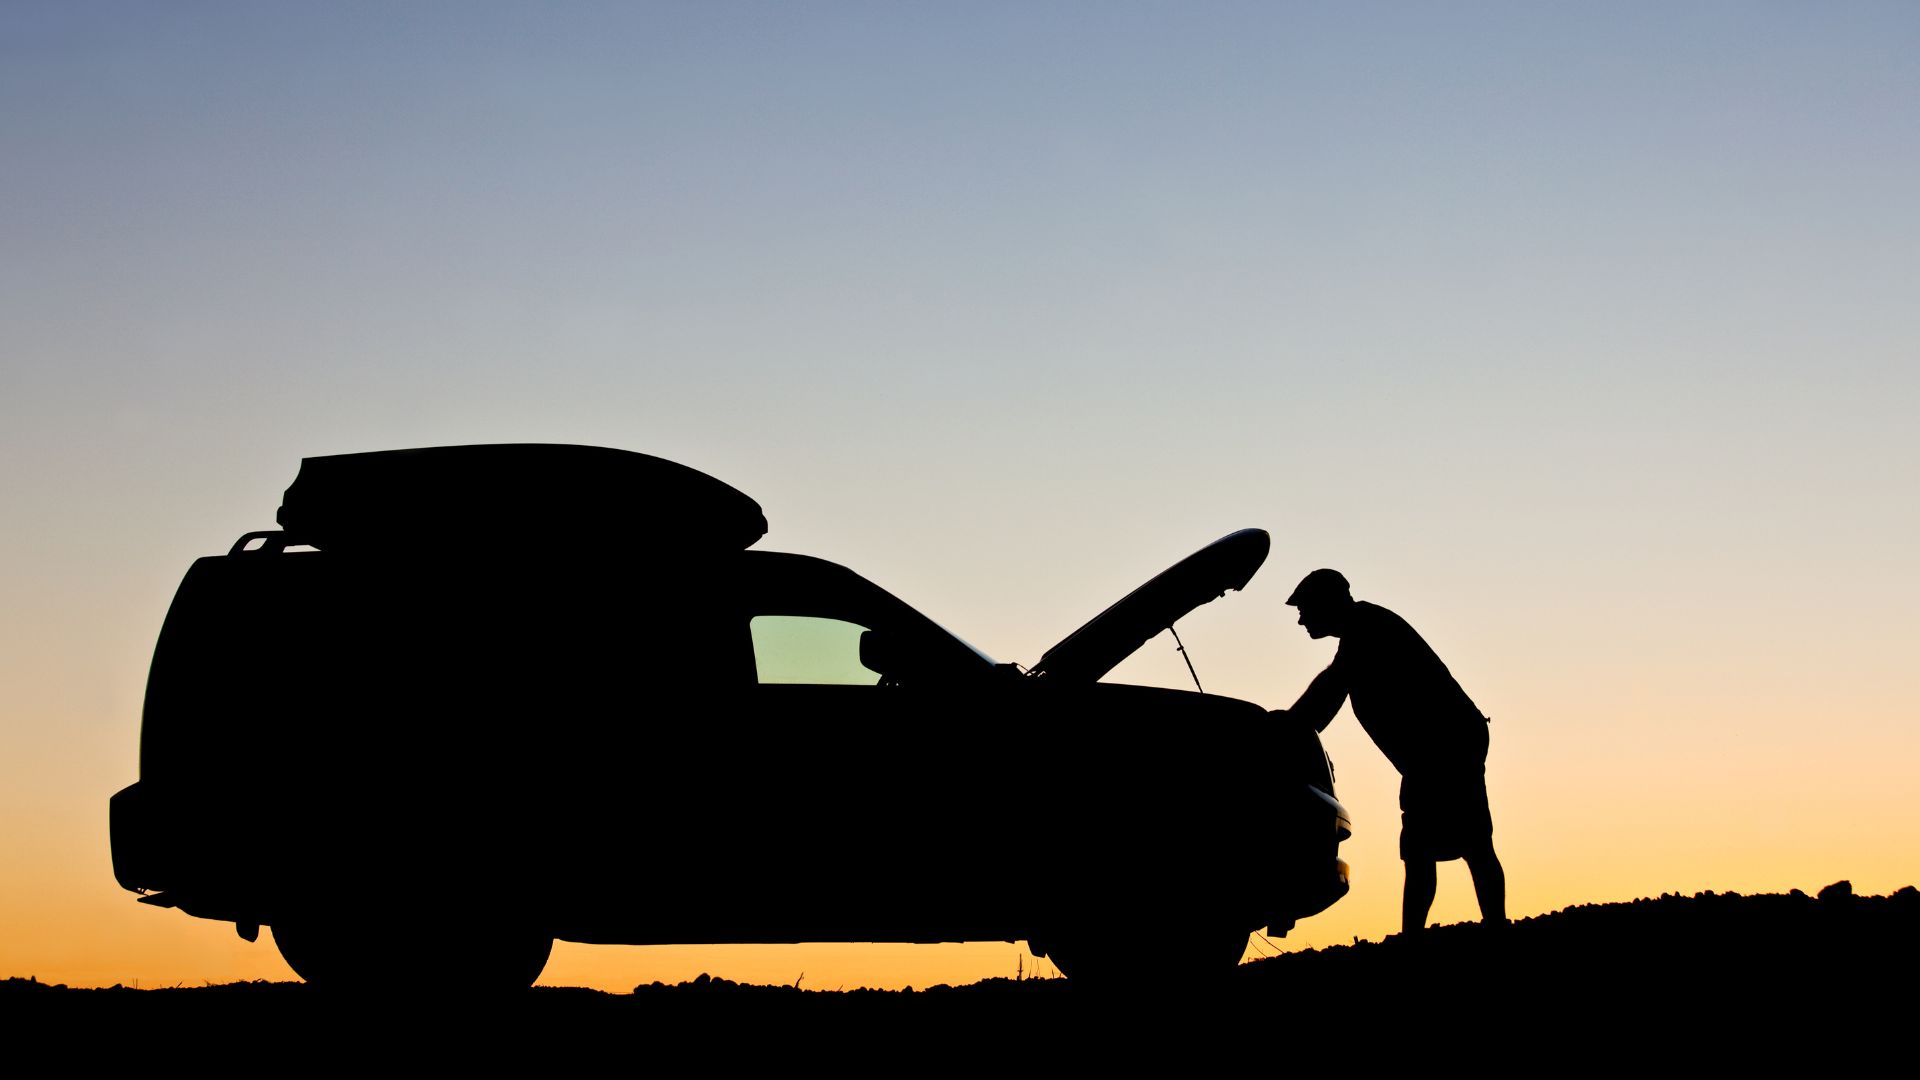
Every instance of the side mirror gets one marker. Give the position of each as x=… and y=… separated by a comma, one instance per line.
x=878, y=655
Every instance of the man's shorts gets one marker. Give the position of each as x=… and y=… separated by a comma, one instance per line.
x=1444, y=815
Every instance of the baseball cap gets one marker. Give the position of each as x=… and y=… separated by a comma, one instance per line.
x=1320, y=585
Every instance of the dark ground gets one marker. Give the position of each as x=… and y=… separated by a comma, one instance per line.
x=1672, y=982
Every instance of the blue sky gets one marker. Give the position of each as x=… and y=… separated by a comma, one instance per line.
x=1582, y=335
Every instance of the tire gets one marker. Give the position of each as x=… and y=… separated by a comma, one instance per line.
x=1116, y=959
x=338, y=952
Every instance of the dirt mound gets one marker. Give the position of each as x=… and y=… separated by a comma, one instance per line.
x=1711, y=977
x=1678, y=962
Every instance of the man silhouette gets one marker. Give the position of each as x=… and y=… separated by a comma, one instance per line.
x=1418, y=716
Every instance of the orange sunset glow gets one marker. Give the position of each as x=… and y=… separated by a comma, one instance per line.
x=1584, y=343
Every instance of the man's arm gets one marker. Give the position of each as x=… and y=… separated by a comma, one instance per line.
x=1320, y=701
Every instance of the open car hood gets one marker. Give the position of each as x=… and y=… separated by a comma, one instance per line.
x=1098, y=647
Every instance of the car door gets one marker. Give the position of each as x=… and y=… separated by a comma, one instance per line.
x=871, y=737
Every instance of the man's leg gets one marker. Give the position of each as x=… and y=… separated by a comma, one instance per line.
x=1418, y=898
x=1489, y=884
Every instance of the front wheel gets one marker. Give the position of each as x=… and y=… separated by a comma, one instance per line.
x=1108, y=960
x=333, y=951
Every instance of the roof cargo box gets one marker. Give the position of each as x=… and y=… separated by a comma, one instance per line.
x=522, y=495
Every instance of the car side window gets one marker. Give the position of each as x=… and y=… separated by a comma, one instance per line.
x=809, y=649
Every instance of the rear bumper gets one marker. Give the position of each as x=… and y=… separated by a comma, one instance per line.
x=136, y=835
x=166, y=851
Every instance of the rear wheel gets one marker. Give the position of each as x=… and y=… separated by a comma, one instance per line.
x=333, y=951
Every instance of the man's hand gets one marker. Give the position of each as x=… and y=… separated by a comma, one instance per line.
x=1284, y=718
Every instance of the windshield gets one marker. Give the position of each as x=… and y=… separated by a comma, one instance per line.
x=969, y=645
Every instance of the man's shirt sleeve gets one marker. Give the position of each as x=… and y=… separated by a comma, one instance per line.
x=1322, y=699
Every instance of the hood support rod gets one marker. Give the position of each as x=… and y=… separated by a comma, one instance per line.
x=1183, y=655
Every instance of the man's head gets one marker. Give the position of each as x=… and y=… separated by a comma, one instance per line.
x=1324, y=600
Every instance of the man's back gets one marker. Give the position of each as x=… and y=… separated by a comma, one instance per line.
x=1404, y=696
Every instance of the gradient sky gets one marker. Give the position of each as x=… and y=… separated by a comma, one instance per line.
x=1584, y=336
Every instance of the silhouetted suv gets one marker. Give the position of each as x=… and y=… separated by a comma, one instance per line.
x=476, y=698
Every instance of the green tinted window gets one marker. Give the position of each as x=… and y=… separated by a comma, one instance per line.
x=804, y=649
